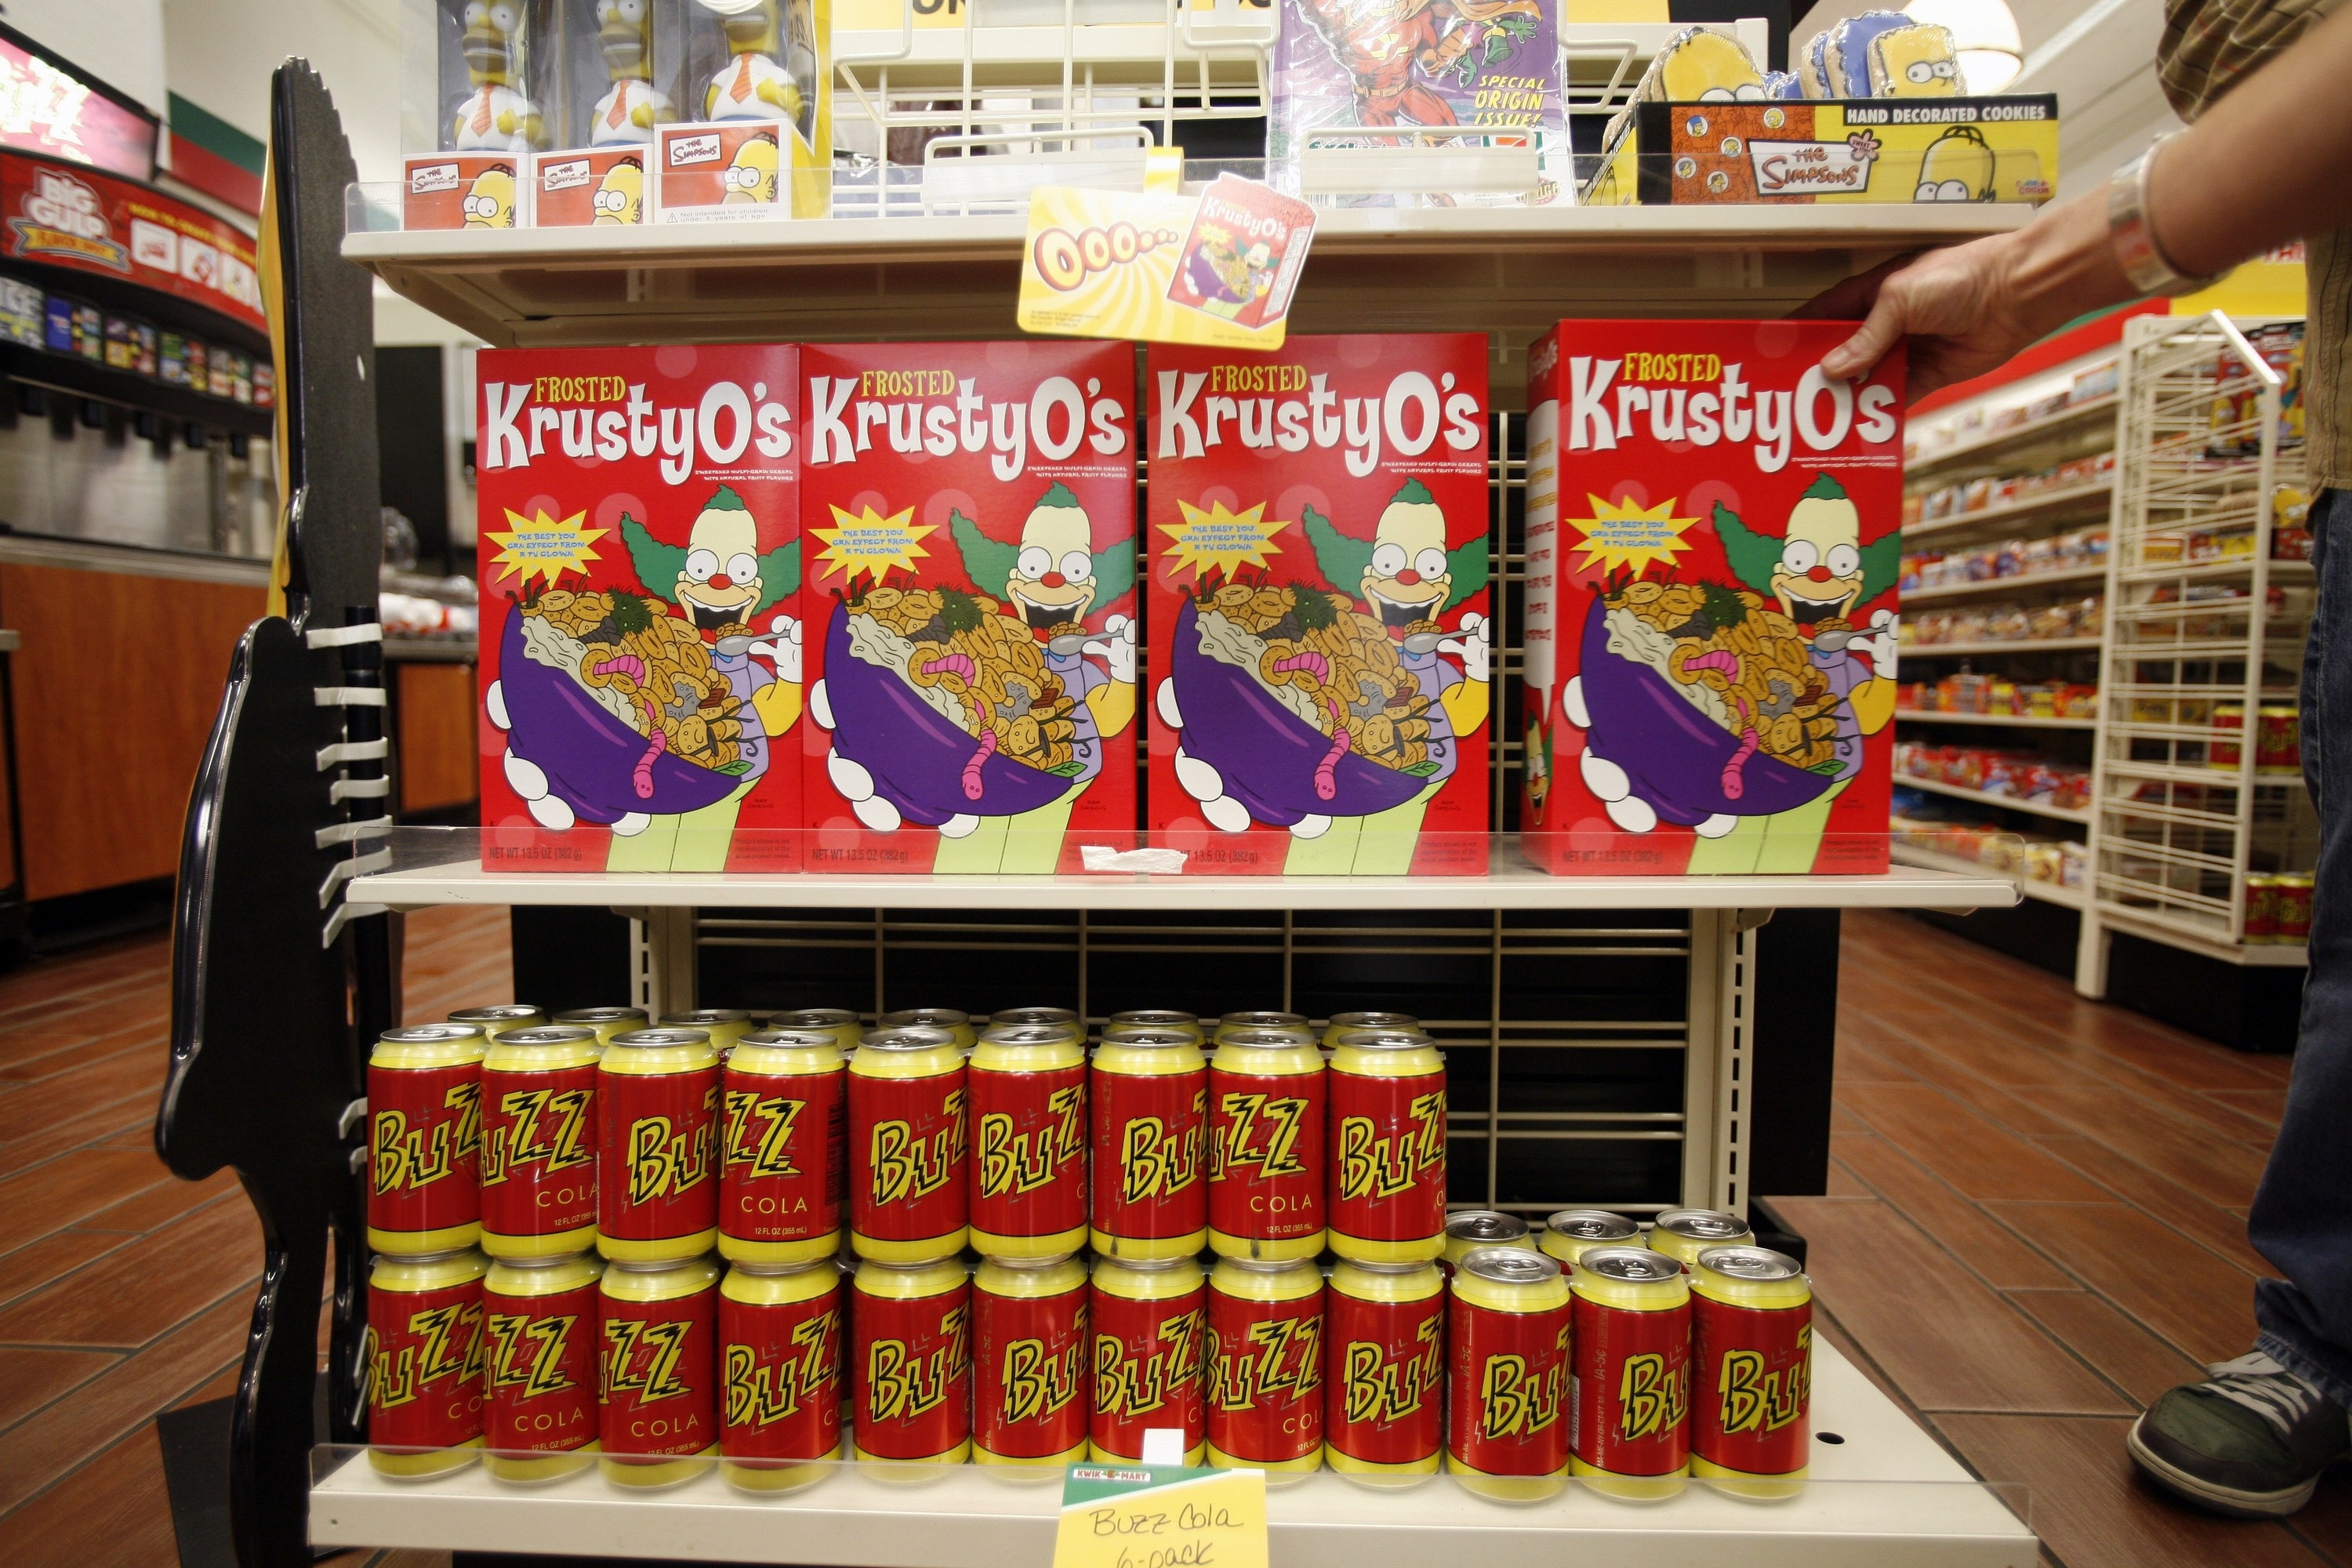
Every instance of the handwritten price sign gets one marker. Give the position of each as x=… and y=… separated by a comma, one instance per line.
x=1161, y=1516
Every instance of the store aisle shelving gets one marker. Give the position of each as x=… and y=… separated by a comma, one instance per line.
x=2035, y=1223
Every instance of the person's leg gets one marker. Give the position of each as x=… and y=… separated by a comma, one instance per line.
x=2254, y=1437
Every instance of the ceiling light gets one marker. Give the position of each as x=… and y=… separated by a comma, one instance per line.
x=1984, y=33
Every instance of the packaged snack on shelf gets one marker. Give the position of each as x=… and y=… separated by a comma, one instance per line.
x=2233, y=417
x=1322, y=651
x=1721, y=608
x=2099, y=381
x=473, y=171
x=755, y=137
x=1346, y=70
x=640, y=560
x=2290, y=524
x=969, y=599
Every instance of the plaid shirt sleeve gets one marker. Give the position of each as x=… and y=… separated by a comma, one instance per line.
x=2209, y=45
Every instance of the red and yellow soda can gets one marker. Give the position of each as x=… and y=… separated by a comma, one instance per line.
x=539, y=1142
x=725, y=1025
x=1467, y=1230
x=1384, y=1023
x=1388, y=1146
x=1149, y=1318
x=657, y=1138
x=1029, y=1139
x=540, y=1319
x=1031, y=1382
x=425, y=1140
x=960, y=1025
x=661, y=1368
x=781, y=1336
x=496, y=1021
x=425, y=1362
x=1507, y=1428
x=1683, y=1234
x=1751, y=1372
x=1254, y=1018
x=606, y=1021
x=1572, y=1233
x=1633, y=1316
x=1264, y=1377
x=1034, y=1017
x=1384, y=1372
x=911, y=1362
x=1154, y=1018
x=1267, y=1121
x=910, y=1192
x=1151, y=1093
x=839, y=1021
x=786, y=1162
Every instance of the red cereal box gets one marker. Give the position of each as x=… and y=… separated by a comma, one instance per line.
x=1714, y=534
x=969, y=600
x=1321, y=649
x=640, y=563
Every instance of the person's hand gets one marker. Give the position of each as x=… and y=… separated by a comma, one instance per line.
x=1953, y=305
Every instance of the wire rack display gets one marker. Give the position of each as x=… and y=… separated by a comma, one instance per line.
x=2205, y=627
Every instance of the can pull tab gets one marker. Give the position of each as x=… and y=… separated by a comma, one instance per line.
x=1163, y=1445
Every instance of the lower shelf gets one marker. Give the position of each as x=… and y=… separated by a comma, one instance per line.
x=1885, y=1493
x=2048, y=893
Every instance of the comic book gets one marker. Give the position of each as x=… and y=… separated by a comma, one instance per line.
x=639, y=566
x=970, y=605
x=1321, y=652
x=1713, y=533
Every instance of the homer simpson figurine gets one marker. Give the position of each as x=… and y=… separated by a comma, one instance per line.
x=494, y=117
x=632, y=109
x=752, y=85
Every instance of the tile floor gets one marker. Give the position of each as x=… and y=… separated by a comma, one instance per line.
x=2035, y=1223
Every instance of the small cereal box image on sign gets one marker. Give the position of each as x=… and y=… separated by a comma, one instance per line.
x=1321, y=647
x=594, y=187
x=733, y=169
x=1713, y=544
x=970, y=605
x=640, y=569
x=1241, y=259
x=465, y=190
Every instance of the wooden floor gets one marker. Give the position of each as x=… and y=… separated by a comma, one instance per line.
x=2035, y=1224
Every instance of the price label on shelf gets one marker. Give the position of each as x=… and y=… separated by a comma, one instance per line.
x=1161, y=1516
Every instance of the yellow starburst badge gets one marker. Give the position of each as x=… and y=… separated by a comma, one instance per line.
x=1220, y=540
x=1627, y=535
x=869, y=542
x=542, y=545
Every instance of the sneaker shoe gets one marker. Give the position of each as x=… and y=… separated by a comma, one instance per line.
x=2249, y=1441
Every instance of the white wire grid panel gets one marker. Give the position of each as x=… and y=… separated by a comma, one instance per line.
x=2204, y=629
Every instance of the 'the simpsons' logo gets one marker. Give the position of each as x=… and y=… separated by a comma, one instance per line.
x=1280, y=1356
x=1261, y=1130
x=904, y=1385
x=760, y=1393
x=1124, y=1387
x=1013, y=1162
x=528, y=1353
x=1755, y=1400
x=1378, y=1389
x=664, y=1162
x=1154, y=1162
x=1372, y=1166
x=546, y=1130
x=420, y=1158
x=1651, y=1398
x=907, y=1167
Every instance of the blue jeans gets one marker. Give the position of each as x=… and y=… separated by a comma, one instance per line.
x=2302, y=1217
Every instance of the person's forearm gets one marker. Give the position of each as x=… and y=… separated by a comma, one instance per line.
x=2061, y=265
x=2270, y=163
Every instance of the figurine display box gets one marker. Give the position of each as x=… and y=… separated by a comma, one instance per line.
x=755, y=132
x=640, y=565
x=472, y=110
x=1712, y=544
x=970, y=604
x=1321, y=653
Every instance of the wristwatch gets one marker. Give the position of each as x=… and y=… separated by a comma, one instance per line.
x=2137, y=250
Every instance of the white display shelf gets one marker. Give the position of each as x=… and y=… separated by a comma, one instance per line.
x=2028, y=887
x=2012, y=645
x=1512, y=271
x=2034, y=506
x=1887, y=1493
x=2245, y=954
x=2003, y=721
x=1510, y=885
x=2021, y=583
x=2006, y=802
x=2049, y=425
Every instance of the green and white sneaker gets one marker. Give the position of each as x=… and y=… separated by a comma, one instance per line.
x=2249, y=1441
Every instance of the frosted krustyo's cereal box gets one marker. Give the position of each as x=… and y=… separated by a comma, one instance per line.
x=1321, y=652
x=970, y=605
x=640, y=569
x=1714, y=529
